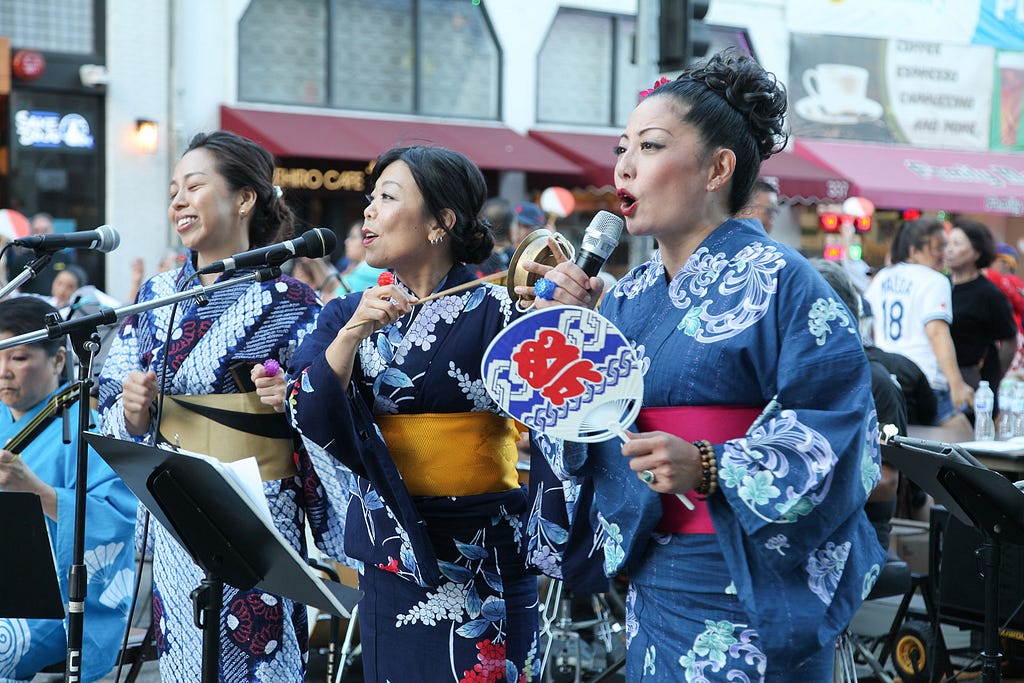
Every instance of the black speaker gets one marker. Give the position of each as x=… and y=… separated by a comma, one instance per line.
x=960, y=588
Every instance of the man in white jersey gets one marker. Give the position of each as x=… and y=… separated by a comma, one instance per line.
x=911, y=301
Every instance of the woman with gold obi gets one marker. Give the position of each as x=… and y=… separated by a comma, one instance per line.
x=215, y=364
x=388, y=388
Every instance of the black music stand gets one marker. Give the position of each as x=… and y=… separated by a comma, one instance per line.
x=224, y=532
x=32, y=590
x=980, y=498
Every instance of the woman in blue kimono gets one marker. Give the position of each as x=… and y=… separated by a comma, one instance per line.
x=30, y=376
x=217, y=357
x=388, y=396
x=757, y=405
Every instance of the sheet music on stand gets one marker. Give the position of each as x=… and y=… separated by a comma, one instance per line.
x=31, y=589
x=236, y=535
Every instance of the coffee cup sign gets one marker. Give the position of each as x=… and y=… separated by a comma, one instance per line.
x=837, y=88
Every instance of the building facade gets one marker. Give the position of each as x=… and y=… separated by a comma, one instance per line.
x=535, y=91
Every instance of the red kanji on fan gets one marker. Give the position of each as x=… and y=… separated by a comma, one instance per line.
x=554, y=367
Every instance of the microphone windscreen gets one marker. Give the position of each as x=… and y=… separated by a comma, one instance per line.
x=319, y=242
x=109, y=240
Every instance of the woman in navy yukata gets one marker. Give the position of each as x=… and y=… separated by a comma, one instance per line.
x=437, y=518
x=757, y=405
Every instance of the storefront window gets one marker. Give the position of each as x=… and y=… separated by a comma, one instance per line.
x=584, y=59
x=434, y=57
x=459, y=74
x=373, y=54
x=50, y=25
x=56, y=162
x=282, y=52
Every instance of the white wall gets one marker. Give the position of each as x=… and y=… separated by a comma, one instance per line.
x=765, y=21
x=136, y=200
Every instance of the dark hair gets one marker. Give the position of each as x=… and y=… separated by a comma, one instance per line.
x=839, y=280
x=981, y=240
x=733, y=103
x=499, y=213
x=916, y=233
x=24, y=314
x=78, y=272
x=244, y=163
x=762, y=185
x=448, y=180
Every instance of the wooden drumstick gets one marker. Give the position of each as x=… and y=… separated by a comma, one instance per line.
x=458, y=288
x=445, y=292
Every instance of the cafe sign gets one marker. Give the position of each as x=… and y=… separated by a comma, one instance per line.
x=330, y=179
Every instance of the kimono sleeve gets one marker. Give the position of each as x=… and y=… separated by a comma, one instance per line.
x=805, y=469
x=124, y=357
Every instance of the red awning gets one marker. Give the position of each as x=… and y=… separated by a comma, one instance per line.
x=798, y=180
x=803, y=182
x=594, y=153
x=896, y=177
x=321, y=136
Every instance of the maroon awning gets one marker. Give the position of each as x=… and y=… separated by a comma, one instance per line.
x=897, y=177
x=804, y=182
x=322, y=136
x=594, y=153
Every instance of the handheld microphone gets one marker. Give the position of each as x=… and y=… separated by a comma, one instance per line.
x=601, y=237
x=104, y=239
x=312, y=243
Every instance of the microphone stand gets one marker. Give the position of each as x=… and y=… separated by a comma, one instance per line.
x=85, y=339
x=28, y=272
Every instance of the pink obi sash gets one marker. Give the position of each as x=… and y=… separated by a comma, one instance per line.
x=716, y=424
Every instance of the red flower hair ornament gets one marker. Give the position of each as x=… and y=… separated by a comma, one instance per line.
x=657, y=84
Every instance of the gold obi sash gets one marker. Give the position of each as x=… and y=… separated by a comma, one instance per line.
x=230, y=427
x=453, y=454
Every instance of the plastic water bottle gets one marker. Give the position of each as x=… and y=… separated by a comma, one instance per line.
x=984, y=429
x=1007, y=408
x=1018, y=410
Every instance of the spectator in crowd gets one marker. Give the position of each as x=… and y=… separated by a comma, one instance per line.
x=1003, y=272
x=890, y=405
x=912, y=305
x=529, y=217
x=983, y=330
x=40, y=224
x=357, y=274
x=319, y=274
x=500, y=214
x=763, y=204
x=65, y=283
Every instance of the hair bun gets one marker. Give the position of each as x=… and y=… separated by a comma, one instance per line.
x=755, y=93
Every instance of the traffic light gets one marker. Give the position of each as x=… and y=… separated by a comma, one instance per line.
x=683, y=38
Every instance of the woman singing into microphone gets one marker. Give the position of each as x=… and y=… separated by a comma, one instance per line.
x=222, y=202
x=757, y=405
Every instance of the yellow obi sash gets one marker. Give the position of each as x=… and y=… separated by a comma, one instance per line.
x=453, y=454
x=230, y=427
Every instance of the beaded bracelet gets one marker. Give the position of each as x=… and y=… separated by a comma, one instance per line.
x=709, y=470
